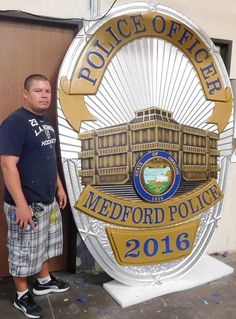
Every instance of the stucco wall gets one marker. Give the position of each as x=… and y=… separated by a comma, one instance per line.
x=216, y=18
x=54, y=8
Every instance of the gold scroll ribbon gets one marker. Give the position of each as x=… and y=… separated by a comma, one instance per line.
x=117, y=32
x=141, y=247
x=139, y=214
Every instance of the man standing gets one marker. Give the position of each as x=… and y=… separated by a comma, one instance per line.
x=28, y=162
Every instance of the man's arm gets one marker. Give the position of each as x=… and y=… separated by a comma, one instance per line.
x=62, y=198
x=13, y=184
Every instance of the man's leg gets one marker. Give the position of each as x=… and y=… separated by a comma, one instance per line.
x=44, y=272
x=18, y=266
x=47, y=283
x=24, y=300
x=21, y=283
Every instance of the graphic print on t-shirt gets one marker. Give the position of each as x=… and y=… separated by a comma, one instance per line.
x=38, y=129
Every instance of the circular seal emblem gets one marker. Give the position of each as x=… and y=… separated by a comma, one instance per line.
x=156, y=176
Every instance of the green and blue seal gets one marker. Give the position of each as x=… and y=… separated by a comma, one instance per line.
x=156, y=176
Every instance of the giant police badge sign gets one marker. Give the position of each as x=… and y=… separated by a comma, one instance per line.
x=144, y=102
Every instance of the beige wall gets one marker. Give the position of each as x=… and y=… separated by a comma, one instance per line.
x=216, y=17
x=54, y=8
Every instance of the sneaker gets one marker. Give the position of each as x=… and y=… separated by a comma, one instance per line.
x=54, y=285
x=28, y=306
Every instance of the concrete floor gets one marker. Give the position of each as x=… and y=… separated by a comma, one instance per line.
x=88, y=300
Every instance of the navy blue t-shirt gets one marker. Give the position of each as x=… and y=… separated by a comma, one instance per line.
x=31, y=138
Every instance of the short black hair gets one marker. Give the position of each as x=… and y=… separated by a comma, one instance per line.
x=38, y=77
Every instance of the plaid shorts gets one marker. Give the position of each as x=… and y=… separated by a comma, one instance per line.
x=28, y=249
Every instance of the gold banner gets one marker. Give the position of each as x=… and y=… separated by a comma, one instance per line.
x=139, y=214
x=117, y=32
x=141, y=247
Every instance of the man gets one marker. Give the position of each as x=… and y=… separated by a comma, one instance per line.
x=28, y=162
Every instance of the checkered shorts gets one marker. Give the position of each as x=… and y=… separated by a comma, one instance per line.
x=28, y=249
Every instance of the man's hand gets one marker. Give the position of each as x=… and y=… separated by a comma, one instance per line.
x=24, y=217
x=61, y=195
x=62, y=198
x=13, y=184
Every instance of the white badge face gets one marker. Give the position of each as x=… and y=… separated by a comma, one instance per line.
x=135, y=92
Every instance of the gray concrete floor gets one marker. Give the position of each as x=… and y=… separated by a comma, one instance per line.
x=88, y=300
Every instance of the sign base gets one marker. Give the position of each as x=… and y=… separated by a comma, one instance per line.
x=206, y=270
